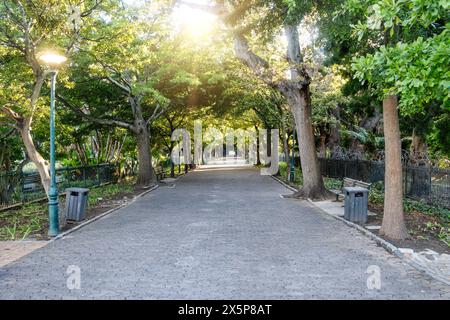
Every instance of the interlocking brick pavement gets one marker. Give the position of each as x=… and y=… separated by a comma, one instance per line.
x=216, y=234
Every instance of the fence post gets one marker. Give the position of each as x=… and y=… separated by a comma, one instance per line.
x=22, y=184
x=430, y=196
x=345, y=169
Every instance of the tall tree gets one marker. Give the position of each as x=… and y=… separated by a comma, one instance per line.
x=26, y=28
x=268, y=18
x=411, y=63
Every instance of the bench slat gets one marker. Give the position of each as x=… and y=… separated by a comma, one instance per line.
x=349, y=182
x=362, y=184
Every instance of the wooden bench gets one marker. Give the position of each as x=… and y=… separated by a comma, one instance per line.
x=348, y=182
x=160, y=173
x=31, y=182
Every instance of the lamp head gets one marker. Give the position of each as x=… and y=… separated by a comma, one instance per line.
x=51, y=59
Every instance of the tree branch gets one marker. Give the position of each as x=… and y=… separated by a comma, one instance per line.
x=259, y=66
x=6, y=110
x=7, y=134
x=121, y=86
x=156, y=113
x=242, y=49
x=109, y=122
x=89, y=11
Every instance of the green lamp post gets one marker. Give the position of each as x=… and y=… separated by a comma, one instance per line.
x=52, y=61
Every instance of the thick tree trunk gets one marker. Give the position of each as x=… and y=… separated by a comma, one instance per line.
x=299, y=101
x=41, y=164
x=146, y=176
x=23, y=123
x=296, y=91
x=393, y=225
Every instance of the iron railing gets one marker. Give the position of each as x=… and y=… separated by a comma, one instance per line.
x=27, y=187
x=429, y=184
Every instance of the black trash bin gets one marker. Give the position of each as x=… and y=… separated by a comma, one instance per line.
x=76, y=203
x=356, y=200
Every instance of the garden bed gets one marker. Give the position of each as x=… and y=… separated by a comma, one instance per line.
x=428, y=225
x=426, y=231
x=30, y=222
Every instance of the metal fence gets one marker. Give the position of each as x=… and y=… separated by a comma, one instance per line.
x=419, y=182
x=26, y=187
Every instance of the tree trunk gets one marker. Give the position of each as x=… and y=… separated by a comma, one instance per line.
x=284, y=138
x=323, y=145
x=297, y=94
x=296, y=91
x=357, y=149
x=172, y=165
x=299, y=101
x=172, y=170
x=418, y=150
x=258, y=158
x=420, y=177
x=146, y=176
x=334, y=138
x=41, y=164
x=393, y=225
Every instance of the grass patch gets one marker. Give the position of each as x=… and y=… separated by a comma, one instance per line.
x=20, y=223
x=32, y=219
x=107, y=192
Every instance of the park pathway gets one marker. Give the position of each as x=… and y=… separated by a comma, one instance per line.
x=218, y=233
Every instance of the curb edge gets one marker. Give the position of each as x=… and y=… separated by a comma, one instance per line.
x=67, y=232
x=380, y=241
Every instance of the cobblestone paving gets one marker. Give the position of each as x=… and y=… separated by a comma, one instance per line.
x=217, y=234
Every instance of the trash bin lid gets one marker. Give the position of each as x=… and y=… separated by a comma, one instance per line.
x=355, y=189
x=77, y=190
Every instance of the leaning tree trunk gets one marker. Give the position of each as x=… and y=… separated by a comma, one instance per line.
x=41, y=164
x=146, y=176
x=393, y=225
x=296, y=91
x=300, y=104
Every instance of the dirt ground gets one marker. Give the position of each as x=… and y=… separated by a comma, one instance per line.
x=421, y=238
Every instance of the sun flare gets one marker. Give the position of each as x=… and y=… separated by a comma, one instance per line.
x=195, y=21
